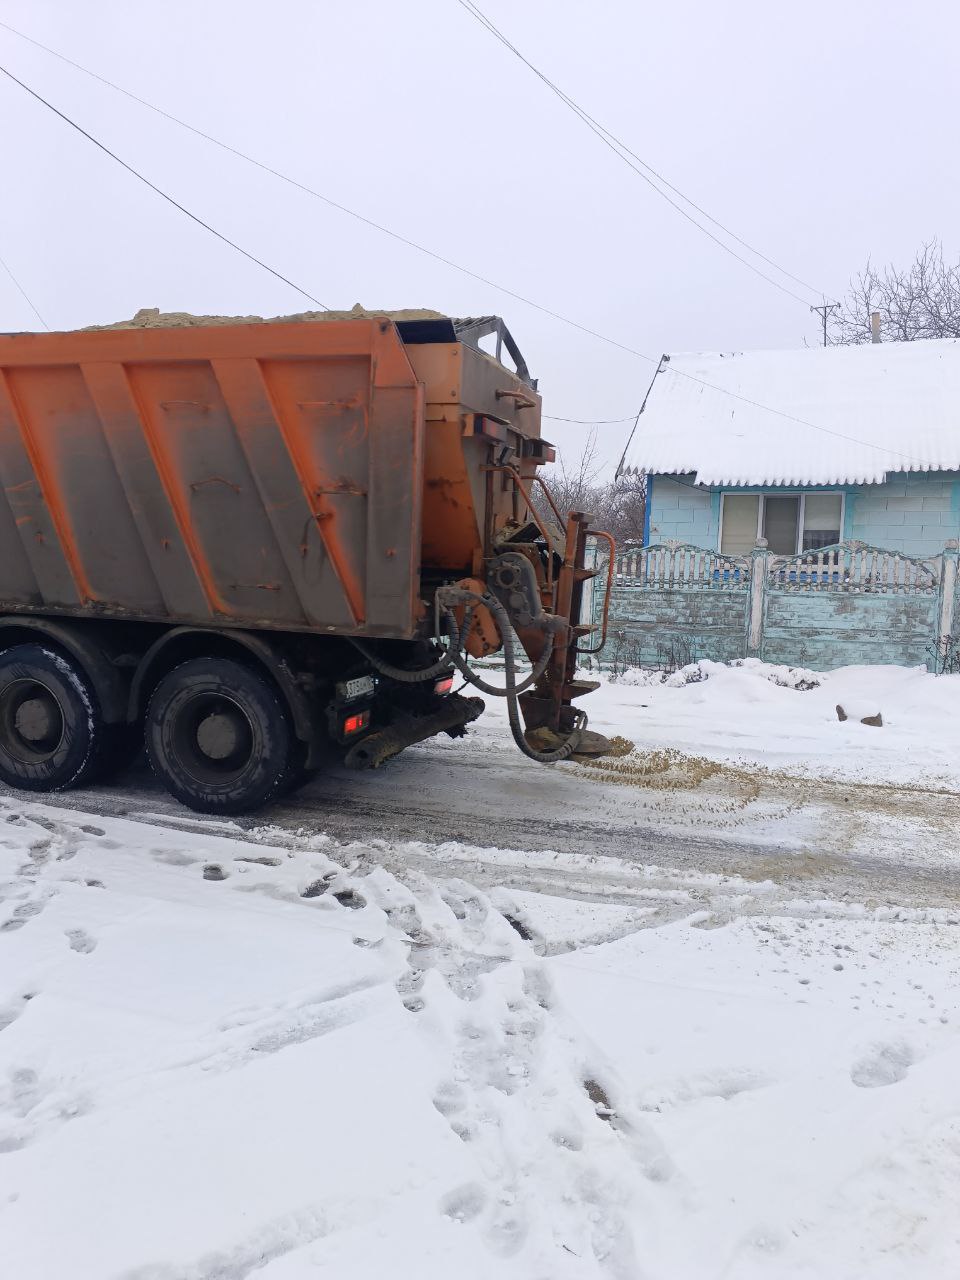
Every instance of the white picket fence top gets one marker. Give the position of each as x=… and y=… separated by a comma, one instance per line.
x=683, y=567
x=855, y=567
x=844, y=567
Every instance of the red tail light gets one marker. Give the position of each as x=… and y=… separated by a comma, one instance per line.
x=355, y=723
x=444, y=685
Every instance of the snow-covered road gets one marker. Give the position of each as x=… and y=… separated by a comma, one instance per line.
x=696, y=1015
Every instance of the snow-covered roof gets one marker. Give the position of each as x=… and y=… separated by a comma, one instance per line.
x=844, y=414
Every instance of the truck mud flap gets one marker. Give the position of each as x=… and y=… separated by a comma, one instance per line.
x=450, y=717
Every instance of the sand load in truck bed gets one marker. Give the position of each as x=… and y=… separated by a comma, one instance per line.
x=154, y=318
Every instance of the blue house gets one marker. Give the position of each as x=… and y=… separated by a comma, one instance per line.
x=805, y=448
x=829, y=473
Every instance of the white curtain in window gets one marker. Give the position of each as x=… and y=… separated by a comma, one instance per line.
x=821, y=516
x=740, y=516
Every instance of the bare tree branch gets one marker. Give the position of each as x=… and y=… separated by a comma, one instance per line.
x=922, y=301
x=616, y=506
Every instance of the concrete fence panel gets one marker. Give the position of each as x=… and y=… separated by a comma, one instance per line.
x=849, y=603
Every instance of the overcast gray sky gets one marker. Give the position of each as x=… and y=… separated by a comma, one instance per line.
x=821, y=132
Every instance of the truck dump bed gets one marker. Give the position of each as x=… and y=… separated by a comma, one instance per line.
x=213, y=523
x=263, y=475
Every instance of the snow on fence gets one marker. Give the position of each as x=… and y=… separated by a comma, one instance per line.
x=840, y=604
x=854, y=566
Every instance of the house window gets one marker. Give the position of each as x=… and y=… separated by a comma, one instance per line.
x=822, y=520
x=790, y=522
x=739, y=517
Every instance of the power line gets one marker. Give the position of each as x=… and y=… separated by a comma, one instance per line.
x=437, y=257
x=29, y=301
x=622, y=151
x=333, y=204
x=153, y=187
x=590, y=422
x=300, y=186
x=824, y=311
x=636, y=422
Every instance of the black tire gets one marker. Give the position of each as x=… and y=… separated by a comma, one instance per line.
x=52, y=734
x=219, y=737
x=298, y=775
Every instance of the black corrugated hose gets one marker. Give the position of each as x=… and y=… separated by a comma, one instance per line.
x=460, y=595
x=448, y=597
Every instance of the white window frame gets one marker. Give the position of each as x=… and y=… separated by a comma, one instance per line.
x=782, y=493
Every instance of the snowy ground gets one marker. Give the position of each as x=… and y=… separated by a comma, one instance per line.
x=695, y=1013
x=761, y=713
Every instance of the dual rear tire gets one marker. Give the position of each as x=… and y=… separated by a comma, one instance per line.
x=217, y=734
x=52, y=734
x=219, y=737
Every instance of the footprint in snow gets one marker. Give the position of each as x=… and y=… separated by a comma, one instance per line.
x=39, y=850
x=537, y=986
x=506, y=1231
x=467, y=906
x=883, y=1064
x=34, y=1108
x=315, y=889
x=464, y=1203
x=408, y=986
x=174, y=857
x=21, y=915
x=569, y=1138
x=24, y=1090
x=81, y=941
x=350, y=898
x=450, y=1098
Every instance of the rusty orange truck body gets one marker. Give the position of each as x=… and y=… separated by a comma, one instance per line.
x=318, y=505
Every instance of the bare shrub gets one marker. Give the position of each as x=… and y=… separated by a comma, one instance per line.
x=617, y=506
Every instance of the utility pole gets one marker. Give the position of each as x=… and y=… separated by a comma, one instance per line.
x=823, y=312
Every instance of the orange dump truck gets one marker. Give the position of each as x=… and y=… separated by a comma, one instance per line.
x=266, y=546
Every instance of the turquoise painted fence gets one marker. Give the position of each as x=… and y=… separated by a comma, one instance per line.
x=850, y=603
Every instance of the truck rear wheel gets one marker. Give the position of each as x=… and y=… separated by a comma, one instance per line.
x=219, y=737
x=52, y=734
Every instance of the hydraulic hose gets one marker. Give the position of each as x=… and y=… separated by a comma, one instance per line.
x=402, y=675
x=454, y=658
x=499, y=691
x=457, y=639
x=510, y=692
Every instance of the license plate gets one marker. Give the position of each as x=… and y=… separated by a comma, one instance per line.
x=359, y=687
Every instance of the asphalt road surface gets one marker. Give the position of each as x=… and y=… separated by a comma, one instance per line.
x=480, y=810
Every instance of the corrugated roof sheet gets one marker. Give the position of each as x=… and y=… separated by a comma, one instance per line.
x=853, y=414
